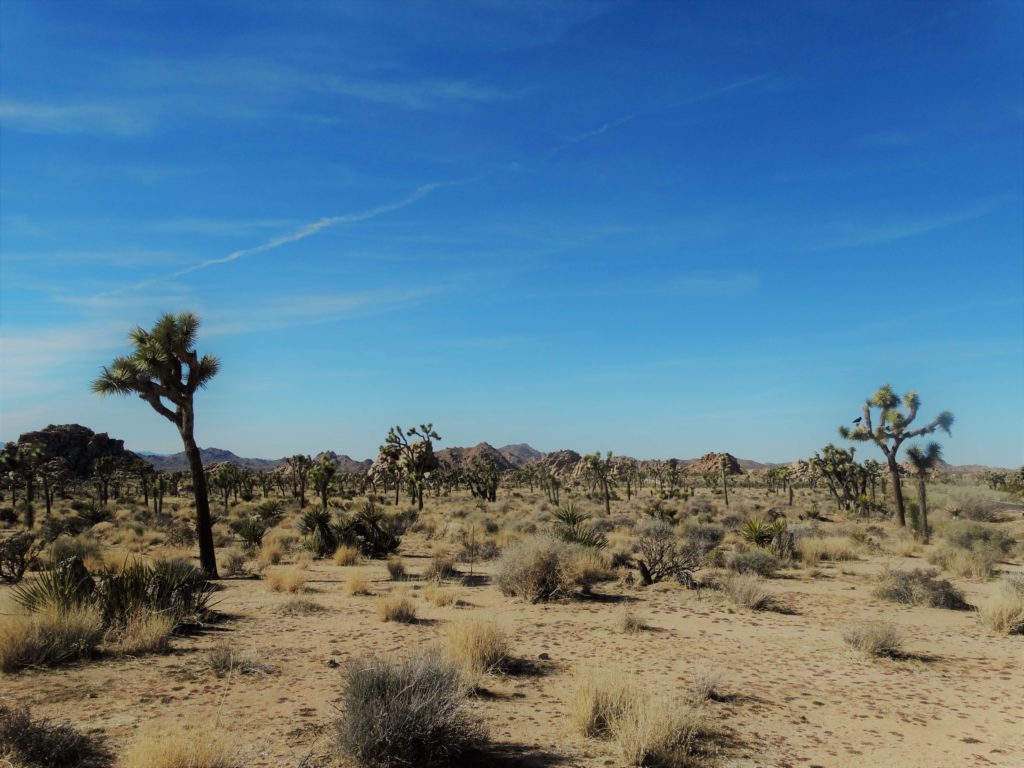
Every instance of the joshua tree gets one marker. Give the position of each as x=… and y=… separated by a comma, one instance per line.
x=892, y=431
x=923, y=460
x=52, y=475
x=300, y=464
x=165, y=370
x=321, y=474
x=601, y=473
x=225, y=479
x=416, y=460
x=723, y=462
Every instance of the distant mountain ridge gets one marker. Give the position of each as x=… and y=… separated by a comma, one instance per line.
x=173, y=462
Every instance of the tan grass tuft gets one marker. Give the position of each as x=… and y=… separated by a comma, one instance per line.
x=48, y=638
x=173, y=747
x=478, y=646
x=397, y=608
x=346, y=556
x=289, y=580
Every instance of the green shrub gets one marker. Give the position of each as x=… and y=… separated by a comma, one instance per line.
x=405, y=713
x=755, y=561
x=919, y=587
x=17, y=553
x=978, y=536
x=83, y=546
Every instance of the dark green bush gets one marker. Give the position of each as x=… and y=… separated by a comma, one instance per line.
x=755, y=561
x=919, y=587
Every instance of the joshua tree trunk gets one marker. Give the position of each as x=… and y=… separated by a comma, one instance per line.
x=204, y=524
x=897, y=490
x=725, y=486
x=922, y=500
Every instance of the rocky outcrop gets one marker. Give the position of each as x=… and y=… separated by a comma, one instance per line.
x=562, y=463
x=712, y=462
x=463, y=457
x=520, y=454
x=79, y=446
x=345, y=463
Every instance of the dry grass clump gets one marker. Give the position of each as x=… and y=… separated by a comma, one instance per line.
x=919, y=587
x=875, y=638
x=598, y=697
x=705, y=681
x=31, y=743
x=478, y=646
x=300, y=606
x=658, y=732
x=649, y=731
x=232, y=562
x=1003, y=612
x=814, y=549
x=406, y=713
x=542, y=569
x=438, y=596
x=977, y=563
x=271, y=552
x=49, y=638
x=398, y=608
x=173, y=747
x=631, y=622
x=289, y=580
x=902, y=544
x=441, y=567
x=345, y=556
x=357, y=585
x=224, y=658
x=396, y=569
x=142, y=632
x=747, y=591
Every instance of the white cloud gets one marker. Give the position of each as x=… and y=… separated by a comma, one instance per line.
x=117, y=120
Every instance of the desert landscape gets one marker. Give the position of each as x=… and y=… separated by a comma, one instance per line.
x=784, y=625
x=511, y=384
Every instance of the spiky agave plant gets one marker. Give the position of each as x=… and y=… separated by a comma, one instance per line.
x=571, y=526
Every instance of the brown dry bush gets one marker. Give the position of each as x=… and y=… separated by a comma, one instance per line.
x=49, y=638
x=32, y=743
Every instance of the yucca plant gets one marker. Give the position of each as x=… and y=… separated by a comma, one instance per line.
x=252, y=530
x=62, y=588
x=316, y=524
x=571, y=526
x=761, y=533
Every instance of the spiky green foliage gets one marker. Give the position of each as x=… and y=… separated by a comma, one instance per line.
x=375, y=534
x=316, y=524
x=760, y=533
x=251, y=530
x=571, y=525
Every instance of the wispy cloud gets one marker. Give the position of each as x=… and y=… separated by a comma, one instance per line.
x=858, y=236
x=116, y=120
x=618, y=122
x=726, y=284
x=198, y=225
x=313, y=228
x=422, y=94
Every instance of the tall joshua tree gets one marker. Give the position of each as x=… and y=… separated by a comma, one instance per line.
x=892, y=431
x=165, y=370
x=923, y=460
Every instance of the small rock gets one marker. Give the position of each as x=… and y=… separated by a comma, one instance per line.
x=544, y=656
x=332, y=663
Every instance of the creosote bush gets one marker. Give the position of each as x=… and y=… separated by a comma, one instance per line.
x=919, y=587
x=41, y=743
x=755, y=561
x=406, y=713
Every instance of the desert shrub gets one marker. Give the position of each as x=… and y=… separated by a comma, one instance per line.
x=978, y=536
x=755, y=561
x=397, y=608
x=83, y=546
x=441, y=567
x=396, y=569
x=1003, y=612
x=919, y=587
x=405, y=713
x=346, y=555
x=661, y=554
x=300, y=606
x=17, y=553
x=977, y=563
x=747, y=591
x=141, y=633
x=437, y=595
x=49, y=638
x=874, y=638
x=164, y=747
x=289, y=580
x=321, y=537
x=375, y=534
x=479, y=647
x=181, y=535
x=41, y=743
x=537, y=569
x=980, y=510
x=233, y=562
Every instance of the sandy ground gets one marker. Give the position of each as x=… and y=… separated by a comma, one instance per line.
x=794, y=694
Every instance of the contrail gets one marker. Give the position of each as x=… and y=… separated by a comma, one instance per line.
x=299, y=234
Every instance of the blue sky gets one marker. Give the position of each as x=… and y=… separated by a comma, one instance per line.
x=654, y=228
